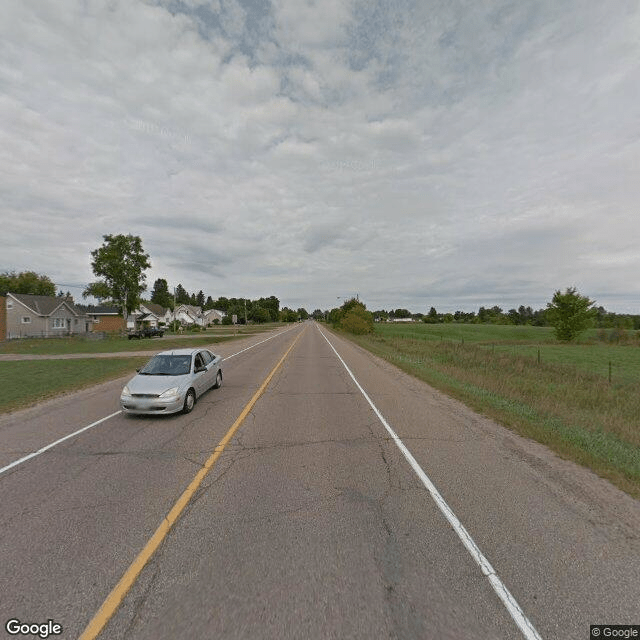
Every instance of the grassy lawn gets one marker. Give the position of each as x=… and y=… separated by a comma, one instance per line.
x=28, y=382
x=565, y=401
x=78, y=344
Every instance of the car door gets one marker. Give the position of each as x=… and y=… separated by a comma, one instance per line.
x=200, y=379
x=211, y=368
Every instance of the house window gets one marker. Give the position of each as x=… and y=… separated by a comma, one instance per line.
x=26, y=319
x=9, y=304
x=57, y=323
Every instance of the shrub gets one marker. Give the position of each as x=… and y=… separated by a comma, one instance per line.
x=357, y=320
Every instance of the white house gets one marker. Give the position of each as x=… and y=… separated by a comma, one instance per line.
x=188, y=314
x=149, y=314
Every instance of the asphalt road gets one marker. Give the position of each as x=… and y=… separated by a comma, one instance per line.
x=311, y=523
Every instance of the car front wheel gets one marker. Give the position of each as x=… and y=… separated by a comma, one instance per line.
x=189, y=401
x=218, y=382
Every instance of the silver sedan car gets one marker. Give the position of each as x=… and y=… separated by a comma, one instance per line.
x=172, y=381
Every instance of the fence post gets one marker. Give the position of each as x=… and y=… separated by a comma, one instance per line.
x=609, y=371
x=538, y=355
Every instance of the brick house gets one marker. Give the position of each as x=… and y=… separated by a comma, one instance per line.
x=103, y=318
x=42, y=316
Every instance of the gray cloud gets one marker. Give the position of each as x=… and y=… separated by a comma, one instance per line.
x=455, y=154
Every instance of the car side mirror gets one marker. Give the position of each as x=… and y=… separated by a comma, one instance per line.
x=200, y=369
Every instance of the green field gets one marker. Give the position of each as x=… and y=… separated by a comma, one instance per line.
x=27, y=382
x=564, y=400
x=78, y=344
x=587, y=355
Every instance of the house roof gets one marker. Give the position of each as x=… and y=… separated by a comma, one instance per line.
x=43, y=305
x=146, y=316
x=157, y=309
x=196, y=311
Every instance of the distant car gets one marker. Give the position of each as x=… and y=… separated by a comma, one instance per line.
x=172, y=381
x=145, y=332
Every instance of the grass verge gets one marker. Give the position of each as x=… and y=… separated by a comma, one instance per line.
x=78, y=344
x=573, y=411
x=28, y=382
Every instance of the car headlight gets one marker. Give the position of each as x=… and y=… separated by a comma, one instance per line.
x=125, y=391
x=169, y=392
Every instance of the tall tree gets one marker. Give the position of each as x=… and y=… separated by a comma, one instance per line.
x=272, y=305
x=120, y=263
x=570, y=313
x=259, y=314
x=200, y=300
x=160, y=294
x=222, y=304
x=26, y=282
x=182, y=297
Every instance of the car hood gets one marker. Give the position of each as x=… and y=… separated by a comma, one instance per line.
x=155, y=384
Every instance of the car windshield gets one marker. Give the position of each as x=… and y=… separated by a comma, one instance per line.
x=167, y=366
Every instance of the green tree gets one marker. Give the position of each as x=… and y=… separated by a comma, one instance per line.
x=222, y=304
x=288, y=315
x=182, y=297
x=200, y=300
x=26, y=282
x=272, y=305
x=432, y=317
x=570, y=313
x=160, y=294
x=121, y=263
x=303, y=313
x=356, y=319
x=260, y=314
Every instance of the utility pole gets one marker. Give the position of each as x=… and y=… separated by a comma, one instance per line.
x=245, y=312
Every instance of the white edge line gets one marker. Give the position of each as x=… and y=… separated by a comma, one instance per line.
x=524, y=624
x=15, y=463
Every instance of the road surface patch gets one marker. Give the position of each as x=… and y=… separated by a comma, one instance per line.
x=119, y=592
x=524, y=624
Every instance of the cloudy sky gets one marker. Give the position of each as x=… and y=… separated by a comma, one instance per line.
x=451, y=153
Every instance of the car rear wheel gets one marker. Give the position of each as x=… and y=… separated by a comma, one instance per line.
x=189, y=401
x=218, y=382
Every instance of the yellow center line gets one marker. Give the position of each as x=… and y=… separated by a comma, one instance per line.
x=118, y=593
